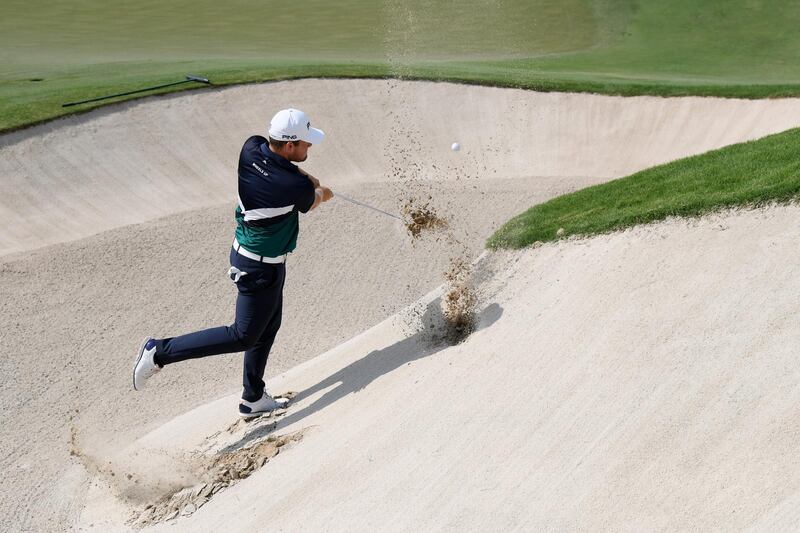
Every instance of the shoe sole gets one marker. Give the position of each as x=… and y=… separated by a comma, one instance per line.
x=261, y=413
x=248, y=416
x=138, y=359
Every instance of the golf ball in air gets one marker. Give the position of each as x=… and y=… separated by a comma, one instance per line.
x=455, y=147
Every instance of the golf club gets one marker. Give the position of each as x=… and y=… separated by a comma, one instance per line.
x=188, y=79
x=343, y=197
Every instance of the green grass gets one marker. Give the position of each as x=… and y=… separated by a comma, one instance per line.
x=26, y=102
x=56, y=52
x=752, y=173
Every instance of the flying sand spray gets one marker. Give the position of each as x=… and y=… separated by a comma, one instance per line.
x=459, y=299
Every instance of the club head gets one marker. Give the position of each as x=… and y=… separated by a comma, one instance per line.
x=198, y=79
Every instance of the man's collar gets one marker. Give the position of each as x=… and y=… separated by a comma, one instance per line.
x=276, y=158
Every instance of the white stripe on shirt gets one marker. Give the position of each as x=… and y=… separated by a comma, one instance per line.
x=267, y=212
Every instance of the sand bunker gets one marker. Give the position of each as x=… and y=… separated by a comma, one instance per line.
x=121, y=228
x=607, y=362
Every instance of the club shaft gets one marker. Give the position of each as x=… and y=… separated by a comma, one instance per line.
x=343, y=197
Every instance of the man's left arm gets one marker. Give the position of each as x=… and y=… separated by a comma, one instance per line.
x=311, y=178
x=319, y=193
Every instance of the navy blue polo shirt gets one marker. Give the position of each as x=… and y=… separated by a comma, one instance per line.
x=272, y=191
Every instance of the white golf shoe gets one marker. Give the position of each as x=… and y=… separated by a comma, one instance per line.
x=266, y=404
x=145, y=367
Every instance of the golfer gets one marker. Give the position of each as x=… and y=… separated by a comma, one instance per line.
x=272, y=191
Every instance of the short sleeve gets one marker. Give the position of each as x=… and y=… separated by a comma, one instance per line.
x=306, y=197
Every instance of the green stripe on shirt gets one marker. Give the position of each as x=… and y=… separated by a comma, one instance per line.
x=270, y=241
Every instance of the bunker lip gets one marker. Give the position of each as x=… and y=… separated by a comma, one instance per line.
x=97, y=188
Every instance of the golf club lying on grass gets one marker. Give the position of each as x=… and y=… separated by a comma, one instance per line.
x=187, y=80
x=343, y=197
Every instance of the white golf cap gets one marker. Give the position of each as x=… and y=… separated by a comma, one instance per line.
x=294, y=125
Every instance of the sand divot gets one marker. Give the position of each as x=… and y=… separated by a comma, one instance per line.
x=221, y=472
x=156, y=485
x=219, y=463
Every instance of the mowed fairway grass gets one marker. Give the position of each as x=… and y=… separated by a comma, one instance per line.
x=56, y=52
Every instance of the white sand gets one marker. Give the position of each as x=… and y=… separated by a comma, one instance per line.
x=584, y=404
x=640, y=381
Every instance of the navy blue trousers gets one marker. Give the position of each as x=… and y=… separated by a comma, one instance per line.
x=258, y=317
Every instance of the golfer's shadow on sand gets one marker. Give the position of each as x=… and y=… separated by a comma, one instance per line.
x=359, y=374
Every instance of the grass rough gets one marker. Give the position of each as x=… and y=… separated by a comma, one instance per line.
x=751, y=173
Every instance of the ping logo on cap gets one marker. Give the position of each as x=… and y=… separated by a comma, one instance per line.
x=287, y=125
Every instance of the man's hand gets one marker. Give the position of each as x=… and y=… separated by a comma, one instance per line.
x=321, y=194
